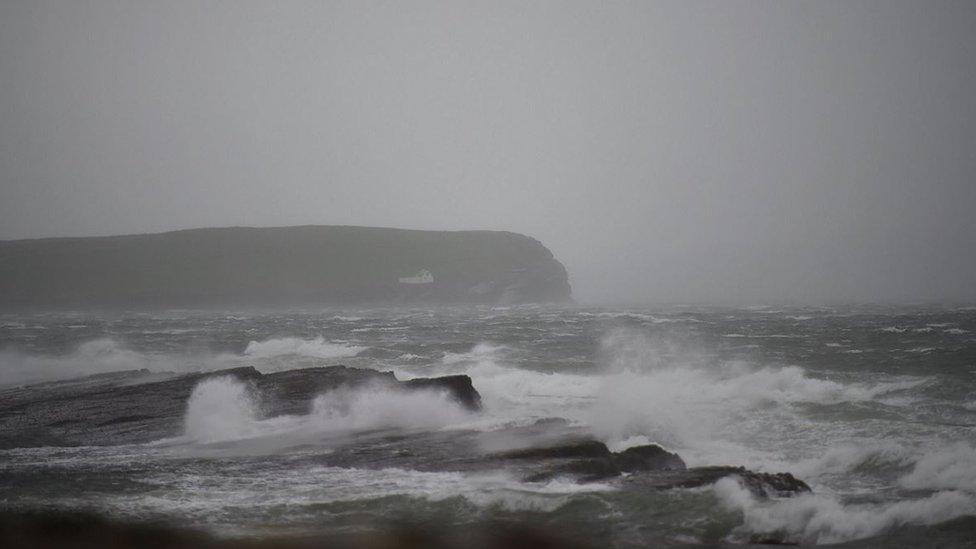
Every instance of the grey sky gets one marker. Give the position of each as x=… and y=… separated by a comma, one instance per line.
x=665, y=151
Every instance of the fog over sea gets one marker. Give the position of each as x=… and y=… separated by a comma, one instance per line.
x=874, y=407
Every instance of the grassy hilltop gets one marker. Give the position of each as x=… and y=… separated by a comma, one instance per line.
x=241, y=266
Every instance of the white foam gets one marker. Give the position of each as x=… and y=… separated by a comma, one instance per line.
x=374, y=407
x=105, y=355
x=223, y=409
x=90, y=357
x=920, y=350
x=818, y=518
x=700, y=407
x=657, y=390
x=215, y=495
x=478, y=354
x=950, y=468
x=220, y=408
x=847, y=458
x=317, y=348
x=510, y=393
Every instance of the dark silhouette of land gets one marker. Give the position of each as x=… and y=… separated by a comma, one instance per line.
x=282, y=266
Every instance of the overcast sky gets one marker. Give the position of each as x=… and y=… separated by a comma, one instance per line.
x=664, y=151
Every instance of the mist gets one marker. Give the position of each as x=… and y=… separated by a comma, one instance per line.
x=719, y=152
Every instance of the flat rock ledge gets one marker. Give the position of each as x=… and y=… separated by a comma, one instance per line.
x=589, y=460
x=139, y=406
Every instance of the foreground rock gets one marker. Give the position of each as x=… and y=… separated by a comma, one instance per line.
x=139, y=406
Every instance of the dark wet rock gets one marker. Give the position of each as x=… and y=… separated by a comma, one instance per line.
x=590, y=449
x=291, y=391
x=112, y=410
x=459, y=387
x=650, y=466
x=118, y=409
x=589, y=460
x=760, y=484
x=586, y=460
x=648, y=458
x=772, y=538
x=773, y=484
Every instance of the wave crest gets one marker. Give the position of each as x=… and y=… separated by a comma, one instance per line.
x=813, y=518
x=316, y=347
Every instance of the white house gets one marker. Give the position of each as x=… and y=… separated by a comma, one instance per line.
x=422, y=277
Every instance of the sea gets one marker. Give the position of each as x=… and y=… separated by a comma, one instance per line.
x=873, y=406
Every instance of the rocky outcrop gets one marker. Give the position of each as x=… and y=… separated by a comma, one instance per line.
x=282, y=266
x=138, y=406
x=650, y=466
x=648, y=458
x=761, y=485
x=591, y=460
x=459, y=387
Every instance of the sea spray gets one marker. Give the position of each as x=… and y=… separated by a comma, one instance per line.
x=108, y=354
x=819, y=519
x=708, y=409
x=223, y=409
x=950, y=468
x=95, y=356
x=316, y=348
x=379, y=406
x=510, y=393
x=220, y=408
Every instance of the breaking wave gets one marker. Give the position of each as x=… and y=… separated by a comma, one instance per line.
x=947, y=474
x=316, y=348
x=374, y=407
x=104, y=355
x=816, y=518
x=949, y=468
x=665, y=392
x=220, y=408
x=688, y=401
x=96, y=356
x=225, y=409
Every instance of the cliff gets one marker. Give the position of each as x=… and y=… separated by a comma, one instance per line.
x=288, y=266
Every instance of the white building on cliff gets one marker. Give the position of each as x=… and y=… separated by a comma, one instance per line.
x=422, y=277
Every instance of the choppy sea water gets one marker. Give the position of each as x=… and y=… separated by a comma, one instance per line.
x=875, y=407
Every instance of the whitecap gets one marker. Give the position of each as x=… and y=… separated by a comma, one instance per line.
x=317, y=347
x=819, y=518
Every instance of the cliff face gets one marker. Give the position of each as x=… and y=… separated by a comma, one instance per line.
x=279, y=266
